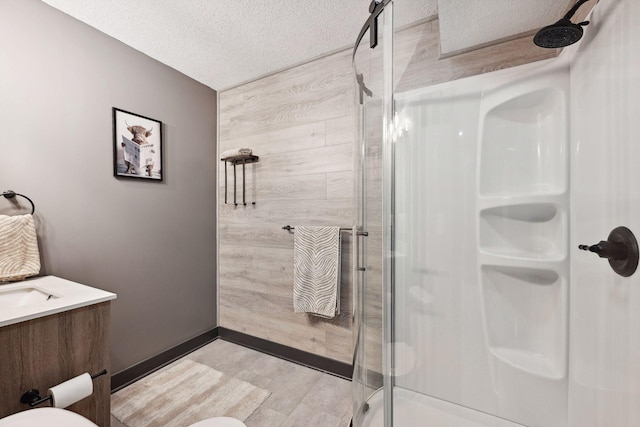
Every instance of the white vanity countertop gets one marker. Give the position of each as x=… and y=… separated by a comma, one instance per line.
x=65, y=295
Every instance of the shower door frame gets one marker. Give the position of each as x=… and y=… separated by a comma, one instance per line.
x=382, y=9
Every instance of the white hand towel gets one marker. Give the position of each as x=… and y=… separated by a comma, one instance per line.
x=234, y=152
x=19, y=256
x=316, y=270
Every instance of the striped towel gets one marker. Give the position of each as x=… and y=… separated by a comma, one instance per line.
x=19, y=256
x=234, y=152
x=316, y=270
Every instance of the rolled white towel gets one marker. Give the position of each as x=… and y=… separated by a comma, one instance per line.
x=236, y=152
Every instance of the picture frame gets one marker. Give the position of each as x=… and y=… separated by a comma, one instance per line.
x=137, y=146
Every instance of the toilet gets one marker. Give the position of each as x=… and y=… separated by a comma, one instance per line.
x=55, y=417
x=219, y=422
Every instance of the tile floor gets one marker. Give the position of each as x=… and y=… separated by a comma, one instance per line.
x=300, y=396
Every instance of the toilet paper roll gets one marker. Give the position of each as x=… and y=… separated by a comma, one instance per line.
x=71, y=391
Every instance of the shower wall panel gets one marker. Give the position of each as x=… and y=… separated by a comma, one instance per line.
x=605, y=308
x=300, y=122
x=481, y=233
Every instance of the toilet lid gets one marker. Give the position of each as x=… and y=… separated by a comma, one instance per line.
x=219, y=422
x=50, y=417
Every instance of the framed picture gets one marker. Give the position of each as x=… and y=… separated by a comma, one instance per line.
x=137, y=146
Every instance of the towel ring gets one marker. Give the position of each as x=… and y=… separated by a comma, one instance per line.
x=9, y=194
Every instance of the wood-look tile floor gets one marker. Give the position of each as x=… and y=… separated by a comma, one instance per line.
x=300, y=396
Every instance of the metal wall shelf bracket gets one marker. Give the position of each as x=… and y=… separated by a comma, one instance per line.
x=238, y=160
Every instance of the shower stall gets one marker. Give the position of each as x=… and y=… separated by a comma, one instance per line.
x=480, y=176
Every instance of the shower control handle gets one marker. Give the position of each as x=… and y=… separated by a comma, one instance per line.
x=620, y=248
x=606, y=249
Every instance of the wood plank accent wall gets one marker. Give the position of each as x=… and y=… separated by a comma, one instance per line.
x=44, y=352
x=301, y=122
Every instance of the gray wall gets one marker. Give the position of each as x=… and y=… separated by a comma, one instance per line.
x=151, y=243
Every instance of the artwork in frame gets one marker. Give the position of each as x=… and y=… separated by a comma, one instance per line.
x=137, y=146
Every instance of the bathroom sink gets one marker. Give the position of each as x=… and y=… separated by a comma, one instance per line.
x=23, y=297
x=42, y=296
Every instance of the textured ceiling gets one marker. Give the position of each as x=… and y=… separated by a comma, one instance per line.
x=222, y=43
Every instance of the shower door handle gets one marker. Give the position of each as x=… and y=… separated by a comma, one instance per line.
x=360, y=234
x=355, y=253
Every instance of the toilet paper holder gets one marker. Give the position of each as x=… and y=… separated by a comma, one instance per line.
x=32, y=397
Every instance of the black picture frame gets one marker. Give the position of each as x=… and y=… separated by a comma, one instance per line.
x=137, y=146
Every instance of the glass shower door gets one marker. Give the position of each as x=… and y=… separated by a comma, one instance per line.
x=502, y=169
x=372, y=387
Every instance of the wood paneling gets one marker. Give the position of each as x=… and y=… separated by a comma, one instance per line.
x=301, y=124
x=276, y=213
x=302, y=137
x=259, y=235
x=42, y=353
x=341, y=130
x=333, y=158
x=303, y=187
x=340, y=185
x=313, y=92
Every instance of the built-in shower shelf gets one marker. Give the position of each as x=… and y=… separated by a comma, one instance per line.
x=532, y=230
x=533, y=363
x=497, y=258
x=522, y=219
x=523, y=144
x=507, y=256
x=524, y=309
x=500, y=256
x=538, y=191
x=530, y=200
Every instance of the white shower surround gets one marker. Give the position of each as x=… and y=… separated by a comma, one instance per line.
x=482, y=231
x=477, y=225
x=604, y=358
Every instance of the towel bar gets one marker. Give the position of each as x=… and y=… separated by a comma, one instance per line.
x=359, y=233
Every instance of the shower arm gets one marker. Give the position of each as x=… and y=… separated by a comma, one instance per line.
x=574, y=9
